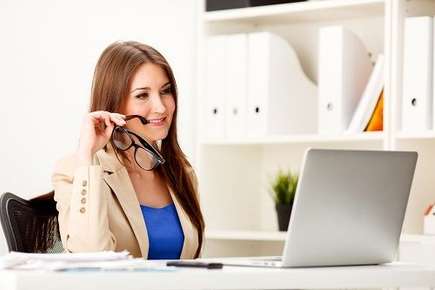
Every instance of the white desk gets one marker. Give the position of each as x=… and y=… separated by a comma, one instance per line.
x=386, y=276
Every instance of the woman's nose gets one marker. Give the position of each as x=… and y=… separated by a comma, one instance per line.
x=157, y=105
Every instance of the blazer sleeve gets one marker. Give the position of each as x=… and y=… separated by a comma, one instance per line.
x=82, y=204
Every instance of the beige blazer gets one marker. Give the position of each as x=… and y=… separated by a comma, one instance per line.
x=99, y=210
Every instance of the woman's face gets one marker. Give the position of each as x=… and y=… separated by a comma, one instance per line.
x=150, y=95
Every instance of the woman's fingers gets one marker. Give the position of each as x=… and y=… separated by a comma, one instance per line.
x=96, y=130
x=118, y=115
x=108, y=118
x=98, y=118
x=117, y=119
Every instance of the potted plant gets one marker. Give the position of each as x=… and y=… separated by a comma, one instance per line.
x=283, y=189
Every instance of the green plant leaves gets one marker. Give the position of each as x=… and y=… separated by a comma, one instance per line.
x=283, y=187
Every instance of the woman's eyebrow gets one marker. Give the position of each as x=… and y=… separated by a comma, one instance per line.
x=141, y=88
x=165, y=85
x=148, y=88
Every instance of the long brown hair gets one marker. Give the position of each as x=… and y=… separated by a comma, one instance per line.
x=112, y=77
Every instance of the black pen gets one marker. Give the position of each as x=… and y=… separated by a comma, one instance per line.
x=195, y=264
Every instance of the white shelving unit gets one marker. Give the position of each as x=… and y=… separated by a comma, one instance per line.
x=295, y=139
x=234, y=173
x=429, y=135
x=299, y=12
x=276, y=236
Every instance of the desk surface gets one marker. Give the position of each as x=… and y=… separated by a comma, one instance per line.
x=389, y=275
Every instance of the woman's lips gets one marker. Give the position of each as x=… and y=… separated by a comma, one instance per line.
x=157, y=122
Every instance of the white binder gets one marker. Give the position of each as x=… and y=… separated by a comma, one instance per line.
x=344, y=70
x=236, y=85
x=281, y=99
x=417, y=75
x=215, y=88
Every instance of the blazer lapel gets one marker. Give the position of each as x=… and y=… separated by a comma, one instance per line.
x=116, y=176
x=190, y=233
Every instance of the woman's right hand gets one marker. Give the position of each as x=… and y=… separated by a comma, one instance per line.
x=95, y=133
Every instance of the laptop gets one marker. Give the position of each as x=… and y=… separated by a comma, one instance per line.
x=348, y=210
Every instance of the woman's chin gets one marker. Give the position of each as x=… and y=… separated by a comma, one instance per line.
x=157, y=137
x=153, y=135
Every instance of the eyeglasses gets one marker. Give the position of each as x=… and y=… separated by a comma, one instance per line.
x=143, y=120
x=146, y=156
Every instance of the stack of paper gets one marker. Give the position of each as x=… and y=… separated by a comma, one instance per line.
x=32, y=261
x=73, y=257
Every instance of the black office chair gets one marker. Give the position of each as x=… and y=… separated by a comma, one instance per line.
x=30, y=225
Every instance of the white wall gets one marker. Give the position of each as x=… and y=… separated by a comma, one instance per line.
x=48, y=50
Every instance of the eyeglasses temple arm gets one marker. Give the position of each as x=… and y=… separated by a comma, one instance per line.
x=142, y=119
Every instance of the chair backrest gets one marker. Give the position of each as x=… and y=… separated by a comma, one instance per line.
x=30, y=225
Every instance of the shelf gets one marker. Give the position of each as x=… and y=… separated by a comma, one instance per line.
x=246, y=235
x=275, y=236
x=299, y=12
x=416, y=136
x=417, y=239
x=314, y=138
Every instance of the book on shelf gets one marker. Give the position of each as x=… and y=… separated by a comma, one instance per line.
x=370, y=99
x=376, y=122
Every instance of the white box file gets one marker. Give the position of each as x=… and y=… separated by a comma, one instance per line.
x=215, y=88
x=281, y=99
x=344, y=70
x=236, y=85
x=417, y=75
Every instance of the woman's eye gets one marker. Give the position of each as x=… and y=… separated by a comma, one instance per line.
x=142, y=96
x=166, y=91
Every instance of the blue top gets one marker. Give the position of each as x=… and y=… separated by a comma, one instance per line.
x=165, y=234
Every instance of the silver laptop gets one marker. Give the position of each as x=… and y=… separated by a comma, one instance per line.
x=348, y=210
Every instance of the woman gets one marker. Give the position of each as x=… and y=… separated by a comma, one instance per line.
x=106, y=198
